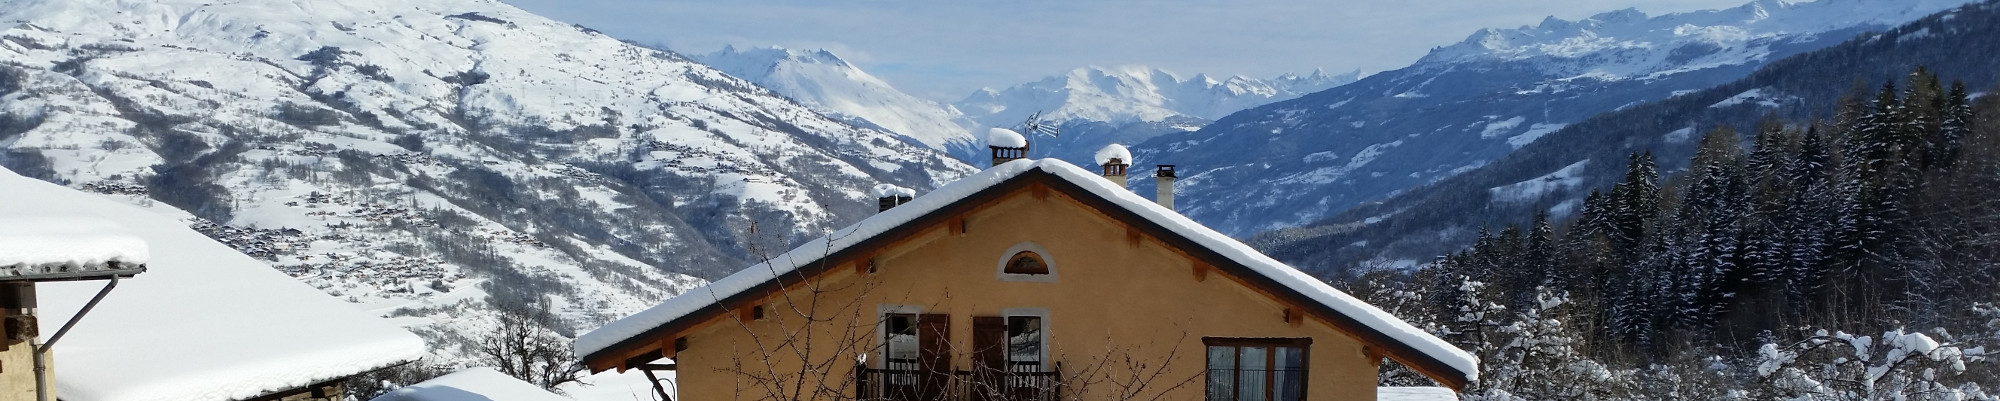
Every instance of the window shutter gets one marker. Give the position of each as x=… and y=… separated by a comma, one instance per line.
x=989, y=342
x=934, y=342
x=989, y=356
x=934, y=355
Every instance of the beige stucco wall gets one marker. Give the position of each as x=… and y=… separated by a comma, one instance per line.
x=1133, y=304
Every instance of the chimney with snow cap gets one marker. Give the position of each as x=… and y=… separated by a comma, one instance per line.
x=1115, y=158
x=1007, y=145
x=1163, y=181
x=889, y=196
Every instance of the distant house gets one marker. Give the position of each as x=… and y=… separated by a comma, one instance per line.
x=204, y=322
x=1033, y=280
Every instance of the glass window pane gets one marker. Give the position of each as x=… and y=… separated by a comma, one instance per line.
x=1252, y=371
x=1290, y=374
x=1221, y=373
x=900, y=347
x=1024, y=343
x=1222, y=357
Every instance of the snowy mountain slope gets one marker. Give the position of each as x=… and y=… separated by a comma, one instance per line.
x=1554, y=174
x=1096, y=106
x=433, y=158
x=1470, y=103
x=823, y=81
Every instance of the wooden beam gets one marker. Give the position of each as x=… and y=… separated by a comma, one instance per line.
x=600, y=365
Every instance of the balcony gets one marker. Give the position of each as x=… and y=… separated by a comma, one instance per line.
x=1018, y=383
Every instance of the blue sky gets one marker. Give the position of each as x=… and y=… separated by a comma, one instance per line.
x=945, y=49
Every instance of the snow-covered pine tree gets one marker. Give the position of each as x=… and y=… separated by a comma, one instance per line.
x=1953, y=126
x=1804, y=220
x=1635, y=202
x=1710, y=211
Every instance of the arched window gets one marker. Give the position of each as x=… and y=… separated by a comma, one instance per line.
x=1026, y=262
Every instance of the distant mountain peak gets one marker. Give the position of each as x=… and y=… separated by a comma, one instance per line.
x=823, y=81
x=1638, y=44
x=772, y=55
x=1123, y=94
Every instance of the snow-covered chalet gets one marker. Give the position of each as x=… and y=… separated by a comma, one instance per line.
x=1032, y=280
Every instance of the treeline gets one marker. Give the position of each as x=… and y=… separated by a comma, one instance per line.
x=1742, y=276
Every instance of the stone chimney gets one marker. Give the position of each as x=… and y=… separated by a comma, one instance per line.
x=889, y=196
x=1163, y=180
x=1007, y=145
x=1114, y=158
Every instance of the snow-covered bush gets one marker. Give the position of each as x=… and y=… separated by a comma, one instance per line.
x=1898, y=365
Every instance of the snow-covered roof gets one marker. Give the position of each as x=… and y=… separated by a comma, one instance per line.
x=42, y=243
x=1005, y=138
x=888, y=190
x=204, y=322
x=1415, y=394
x=1114, y=151
x=1368, y=317
x=472, y=384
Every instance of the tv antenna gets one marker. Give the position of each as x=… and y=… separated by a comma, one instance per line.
x=1036, y=125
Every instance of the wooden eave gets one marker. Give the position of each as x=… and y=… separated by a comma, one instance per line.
x=650, y=345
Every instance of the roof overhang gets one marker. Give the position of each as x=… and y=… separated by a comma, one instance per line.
x=69, y=272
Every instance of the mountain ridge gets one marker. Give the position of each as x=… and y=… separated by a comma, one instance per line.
x=1442, y=216
x=1294, y=162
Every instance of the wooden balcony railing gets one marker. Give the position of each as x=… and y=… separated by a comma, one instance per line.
x=1019, y=383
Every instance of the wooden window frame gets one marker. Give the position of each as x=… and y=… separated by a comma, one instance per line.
x=882, y=312
x=1270, y=363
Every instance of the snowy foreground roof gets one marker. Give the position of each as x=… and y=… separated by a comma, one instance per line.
x=203, y=323
x=1404, y=340
x=33, y=244
x=472, y=384
x=1415, y=394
